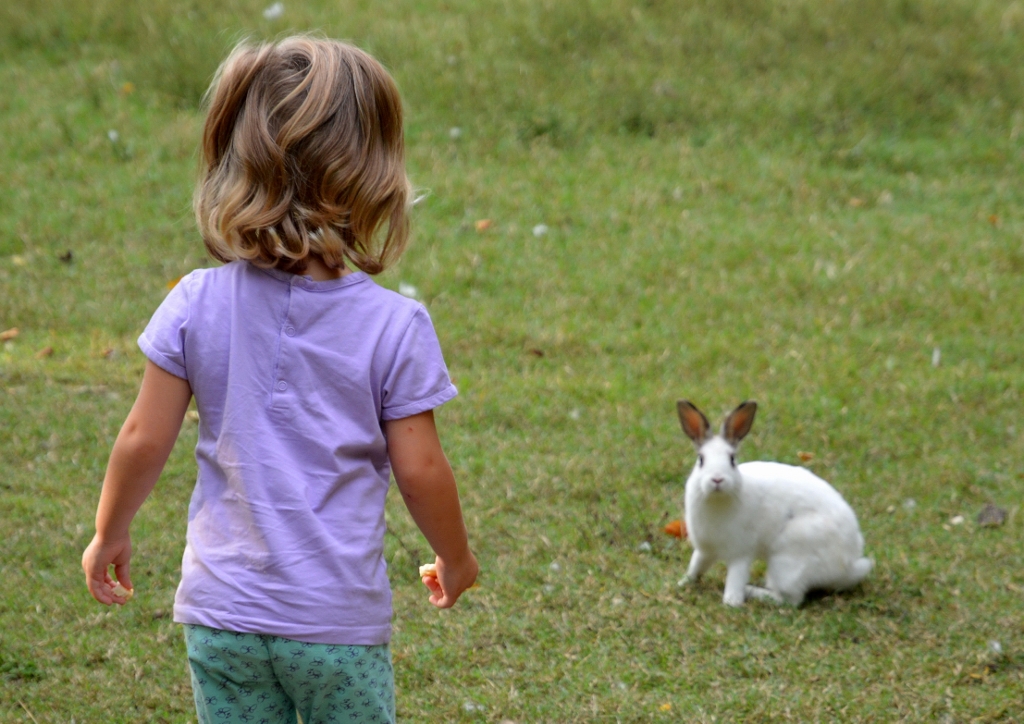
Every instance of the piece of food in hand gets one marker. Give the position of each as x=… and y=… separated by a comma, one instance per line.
x=676, y=528
x=125, y=593
x=429, y=570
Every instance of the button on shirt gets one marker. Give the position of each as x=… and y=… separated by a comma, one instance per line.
x=292, y=380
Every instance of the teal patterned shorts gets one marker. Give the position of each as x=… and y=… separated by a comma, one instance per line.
x=259, y=679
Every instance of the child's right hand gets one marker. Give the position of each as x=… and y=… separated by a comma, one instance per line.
x=450, y=580
x=96, y=562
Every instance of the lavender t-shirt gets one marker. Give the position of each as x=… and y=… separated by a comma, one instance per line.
x=292, y=379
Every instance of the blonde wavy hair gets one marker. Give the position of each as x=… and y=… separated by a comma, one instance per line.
x=303, y=154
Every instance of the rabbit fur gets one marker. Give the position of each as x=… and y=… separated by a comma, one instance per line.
x=782, y=514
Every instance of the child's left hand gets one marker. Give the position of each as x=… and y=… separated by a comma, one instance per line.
x=96, y=562
x=447, y=582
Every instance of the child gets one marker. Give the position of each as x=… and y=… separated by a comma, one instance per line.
x=313, y=385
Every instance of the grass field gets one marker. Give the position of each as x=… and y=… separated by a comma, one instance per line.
x=817, y=205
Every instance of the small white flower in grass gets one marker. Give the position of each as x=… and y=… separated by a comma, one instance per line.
x=574, y=414
x=408, y=290
x=909, y=504
x=995, y=647
x=274, y=11
x=644, y=547
x=957, y=520
x=539, y=230
x=555, y=567
x=473, y=706
x=113, y=135
x=455, y=133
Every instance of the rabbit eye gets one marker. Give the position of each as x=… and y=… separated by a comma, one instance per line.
x=732, y=460
x=700, y=460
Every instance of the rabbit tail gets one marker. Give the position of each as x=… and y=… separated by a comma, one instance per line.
x=859, y=570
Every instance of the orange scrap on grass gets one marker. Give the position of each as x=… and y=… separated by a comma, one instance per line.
x=676, y=528
x=483, y=224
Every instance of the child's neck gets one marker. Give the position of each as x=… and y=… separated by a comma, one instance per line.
x=320, y=272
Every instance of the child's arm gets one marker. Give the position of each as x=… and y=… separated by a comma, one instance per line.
x=428, y=488
x=138, y=457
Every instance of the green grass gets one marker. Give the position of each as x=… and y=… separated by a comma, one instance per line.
x=793, y=202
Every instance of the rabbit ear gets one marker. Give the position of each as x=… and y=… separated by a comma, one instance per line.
x=739, y=422
x=695, y=425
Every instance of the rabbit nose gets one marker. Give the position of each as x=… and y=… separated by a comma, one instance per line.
x=718, y=480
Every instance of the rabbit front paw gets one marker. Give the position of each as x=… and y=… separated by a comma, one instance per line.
x=764, y=594
x=731, y=599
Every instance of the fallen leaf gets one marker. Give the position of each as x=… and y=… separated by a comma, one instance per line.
x=192, y=416
x=9, y=334
x=805, y=456
x=856, y=202
x=109, y=353
x=991, y=516
x=537, y=352
x=44, y=352
x=127, y=88
x=676, y=528
x=66, y=257
x=483, y=224
x=173, y=283
x=274, y=12
x=665, y=707
x=994, y=220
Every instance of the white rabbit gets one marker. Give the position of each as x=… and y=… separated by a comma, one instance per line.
x=782, y=514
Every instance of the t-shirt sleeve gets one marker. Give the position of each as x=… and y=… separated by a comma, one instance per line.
x=418, y=379
x=163, y=340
